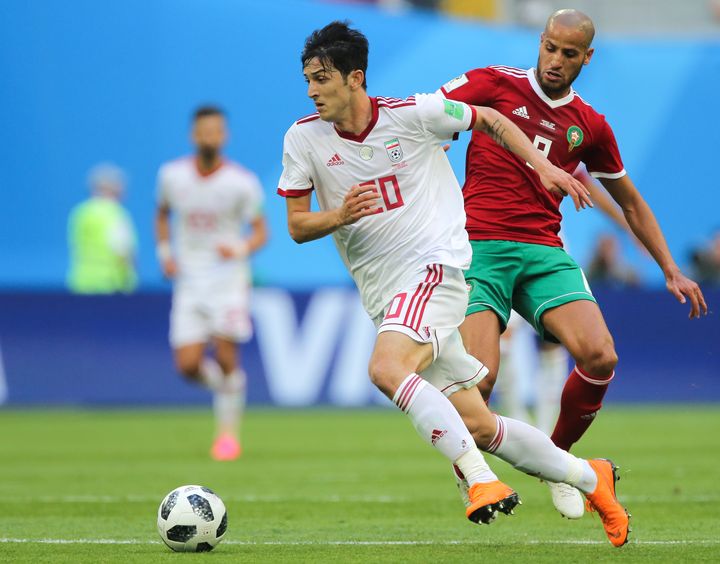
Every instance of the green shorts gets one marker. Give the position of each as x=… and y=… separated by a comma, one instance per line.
x=528, y=278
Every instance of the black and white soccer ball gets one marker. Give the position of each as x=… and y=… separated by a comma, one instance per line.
x=192, y=519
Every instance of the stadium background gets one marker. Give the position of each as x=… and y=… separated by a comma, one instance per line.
x=92, y=81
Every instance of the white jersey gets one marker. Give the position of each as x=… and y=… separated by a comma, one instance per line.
x=400, y=153
x=207, y=210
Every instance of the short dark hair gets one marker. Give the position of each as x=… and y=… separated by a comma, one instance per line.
x=337, y=45
x=207, y=110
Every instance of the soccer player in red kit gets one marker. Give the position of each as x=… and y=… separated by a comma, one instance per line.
x=513, y=223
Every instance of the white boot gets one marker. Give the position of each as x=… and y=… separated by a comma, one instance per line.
x=567, y=500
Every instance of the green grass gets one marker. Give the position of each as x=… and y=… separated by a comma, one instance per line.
x=338, y=486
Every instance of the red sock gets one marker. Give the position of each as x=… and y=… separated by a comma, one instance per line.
x=581, y=399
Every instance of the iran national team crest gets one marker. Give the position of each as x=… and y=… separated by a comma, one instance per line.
x=574, y=137
x=394, y=150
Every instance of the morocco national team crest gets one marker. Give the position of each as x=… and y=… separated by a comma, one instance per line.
x=574, y=137
x=394, y=150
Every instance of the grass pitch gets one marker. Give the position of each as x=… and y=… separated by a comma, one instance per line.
x=338, y=486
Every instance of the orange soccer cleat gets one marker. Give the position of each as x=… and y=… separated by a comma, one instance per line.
x=225, y=447
x=486, y=499
x=615, y=518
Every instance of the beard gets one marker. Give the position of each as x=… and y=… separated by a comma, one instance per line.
x=207, y=153
x=556, y=88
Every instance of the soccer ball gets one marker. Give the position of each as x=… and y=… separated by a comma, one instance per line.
x=192, y=519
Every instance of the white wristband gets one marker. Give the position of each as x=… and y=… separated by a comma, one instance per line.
x=163, y=251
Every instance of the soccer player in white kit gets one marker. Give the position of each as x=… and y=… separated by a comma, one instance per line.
x=389, y=197
x=218, y=223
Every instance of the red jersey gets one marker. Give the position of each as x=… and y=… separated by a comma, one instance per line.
x=504, y=198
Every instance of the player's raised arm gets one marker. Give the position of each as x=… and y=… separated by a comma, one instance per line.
x=508, y=135
x=644, y=225
x=305, y=225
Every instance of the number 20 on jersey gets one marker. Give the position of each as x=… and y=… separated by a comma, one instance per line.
x=389, y=189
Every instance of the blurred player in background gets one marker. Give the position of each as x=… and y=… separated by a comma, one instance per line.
x=217, y=225
x=706, y=261
x=102, y=237
x=513, y=223
x=389, y=197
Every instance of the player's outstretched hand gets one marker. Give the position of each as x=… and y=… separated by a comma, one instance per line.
x=557, y=180
x=681, y=286
x=360, y=201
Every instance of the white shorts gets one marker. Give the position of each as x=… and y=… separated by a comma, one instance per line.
x=215, y=308
x=430, y=310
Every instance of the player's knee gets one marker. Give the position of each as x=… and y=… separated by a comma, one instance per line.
x=385, y=373
x=599, y=361
x=189, y=368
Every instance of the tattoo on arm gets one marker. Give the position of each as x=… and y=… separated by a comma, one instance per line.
x=497, y=132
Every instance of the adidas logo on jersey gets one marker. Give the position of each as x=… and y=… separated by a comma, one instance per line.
x=522, y=112
x=335, y=160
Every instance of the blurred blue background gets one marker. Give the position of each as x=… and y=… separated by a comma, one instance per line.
x=89, y=81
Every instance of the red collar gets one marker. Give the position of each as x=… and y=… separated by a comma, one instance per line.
x=360, y=137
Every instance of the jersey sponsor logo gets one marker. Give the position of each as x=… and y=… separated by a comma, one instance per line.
x=574, y=136
x=521, y=112
x=454, y=109
x=394, y=150
x=456, y=82
x=335, y=160
x=366, y=152
x=548, y=124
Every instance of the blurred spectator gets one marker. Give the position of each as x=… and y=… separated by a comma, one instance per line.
x=394, y=5
x=101, y=237
x=706, y=261
x=533, y=13
x=607, y=267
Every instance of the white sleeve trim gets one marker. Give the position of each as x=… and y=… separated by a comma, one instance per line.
x=610, y=175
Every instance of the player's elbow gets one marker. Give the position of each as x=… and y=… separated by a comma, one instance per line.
x=297, y=234
x=485, y=117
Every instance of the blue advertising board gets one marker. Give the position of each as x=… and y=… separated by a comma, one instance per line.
x=309, y=348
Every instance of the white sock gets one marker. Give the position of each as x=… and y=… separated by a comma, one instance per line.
x=210, y=373
x=552, y=374
x=532, y=452
x=438, y=423
x=229, y=403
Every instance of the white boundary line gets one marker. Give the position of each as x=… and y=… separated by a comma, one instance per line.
x=699, y=542
x=137, y=498
x=132, y=498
